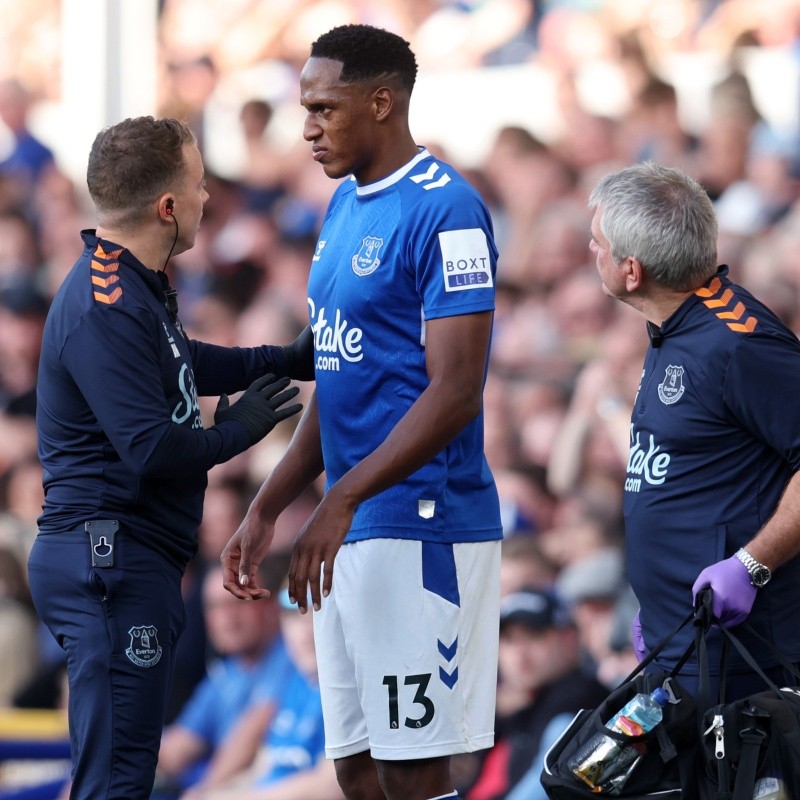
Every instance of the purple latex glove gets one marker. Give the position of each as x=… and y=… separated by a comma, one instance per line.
x=637, y=638
x=732, y=592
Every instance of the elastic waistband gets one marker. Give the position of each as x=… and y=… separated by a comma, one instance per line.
x=73, y=535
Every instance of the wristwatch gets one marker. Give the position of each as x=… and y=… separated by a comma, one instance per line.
x=759, y=574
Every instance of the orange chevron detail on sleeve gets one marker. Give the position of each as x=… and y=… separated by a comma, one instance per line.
x=100, y=253
x=110, y=299
x=713, y=288
x=112, y=267
x=747, y=327
x=104, y=282
x=726, y=297
x=737, y=312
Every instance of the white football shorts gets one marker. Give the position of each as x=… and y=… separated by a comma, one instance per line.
x=407, y=649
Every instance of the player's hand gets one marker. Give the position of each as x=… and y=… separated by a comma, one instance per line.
x=259, y=407
x=242, y=557
x=732, y=592
x=637, y=639
x=317, y=544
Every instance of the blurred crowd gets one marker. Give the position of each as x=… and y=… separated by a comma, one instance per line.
x=565, y=360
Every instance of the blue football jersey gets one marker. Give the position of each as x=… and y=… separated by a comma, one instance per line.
x=415, y=246
x=715, y=438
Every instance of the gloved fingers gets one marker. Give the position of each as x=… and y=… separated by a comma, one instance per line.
x=283, y=397
x=262, y=383
x=284, y=413
x=223, y=403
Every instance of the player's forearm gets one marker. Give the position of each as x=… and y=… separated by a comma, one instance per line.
x=440, y=413
x=779, y=540
x=300, y=466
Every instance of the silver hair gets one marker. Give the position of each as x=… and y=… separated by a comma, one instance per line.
x=661, y=217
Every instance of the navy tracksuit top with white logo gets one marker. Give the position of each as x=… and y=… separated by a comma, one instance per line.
x=715, y=437
x=120, y=434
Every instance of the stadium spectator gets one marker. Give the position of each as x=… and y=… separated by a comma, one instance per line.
x=544, y=687
x=252, y=668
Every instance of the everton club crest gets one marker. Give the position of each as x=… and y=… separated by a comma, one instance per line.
x=366, y=260
x=671, y=389
x=144, y=649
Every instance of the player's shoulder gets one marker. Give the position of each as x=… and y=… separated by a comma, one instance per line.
x=104, y=275
x=433, y=178
x=731, y=311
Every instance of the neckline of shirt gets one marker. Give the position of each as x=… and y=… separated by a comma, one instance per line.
x=394, y=177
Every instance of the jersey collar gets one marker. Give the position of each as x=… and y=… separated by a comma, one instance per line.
x=157, y=282
x=657, y=334
x=389, y=180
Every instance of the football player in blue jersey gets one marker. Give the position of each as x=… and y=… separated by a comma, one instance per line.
x=401, y=300
x=125, y=453
x=712, y=493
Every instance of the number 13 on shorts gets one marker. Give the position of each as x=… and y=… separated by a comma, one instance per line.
x=407, y=649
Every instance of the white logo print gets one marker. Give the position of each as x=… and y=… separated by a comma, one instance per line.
x=144, y=649
x=171, y=340
x=338, y=339
x=649, y=466
x=366, y=260
x=190, y=403
x=429, y=175
x=671, y=389
x=320, y=245
x=465, y=260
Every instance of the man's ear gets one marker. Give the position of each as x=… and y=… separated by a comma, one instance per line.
x=633, y=272
x=382, y=102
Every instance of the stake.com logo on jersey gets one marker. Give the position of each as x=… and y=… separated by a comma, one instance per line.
x=646, y=463
x=334, y=340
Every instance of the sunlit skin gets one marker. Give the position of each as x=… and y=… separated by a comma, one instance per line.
x=189, y=199
x=351, y=126
x=152, y=240
x=607, y=267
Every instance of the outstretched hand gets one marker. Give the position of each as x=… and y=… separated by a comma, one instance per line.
x=242, y=557
x=259, y=407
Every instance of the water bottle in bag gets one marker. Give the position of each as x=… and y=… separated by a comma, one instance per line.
x=604, y=763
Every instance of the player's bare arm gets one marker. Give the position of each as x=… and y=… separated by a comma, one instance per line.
x=299, y=467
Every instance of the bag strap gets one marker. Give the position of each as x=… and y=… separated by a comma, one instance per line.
x=779, y=656
x=751, y=662
x=651, y=656
x=752, y=739
x=703, y=616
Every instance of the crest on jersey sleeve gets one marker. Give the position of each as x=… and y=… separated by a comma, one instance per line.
x=144, y=649
x=366, y=260
x=671, y=389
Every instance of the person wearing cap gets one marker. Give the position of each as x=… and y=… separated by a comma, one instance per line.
x=591, y=585
x=539, y=666
x=712, y=487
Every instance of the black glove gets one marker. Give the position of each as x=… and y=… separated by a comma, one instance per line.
x=258, y=408
x=299, y=356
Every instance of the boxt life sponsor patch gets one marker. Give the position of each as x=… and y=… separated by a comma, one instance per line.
x=465, y=260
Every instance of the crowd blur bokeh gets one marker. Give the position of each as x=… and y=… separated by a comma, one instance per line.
x=565, y=358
